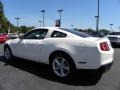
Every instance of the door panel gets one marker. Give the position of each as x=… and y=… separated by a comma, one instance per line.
x=29, y=47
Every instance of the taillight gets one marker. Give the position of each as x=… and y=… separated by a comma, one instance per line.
x=104, y=46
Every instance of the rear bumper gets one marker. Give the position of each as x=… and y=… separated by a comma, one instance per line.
x=105, y=67
x=102, y=69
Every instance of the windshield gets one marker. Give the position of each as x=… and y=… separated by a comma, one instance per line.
x=78, y=33
x=115, y=33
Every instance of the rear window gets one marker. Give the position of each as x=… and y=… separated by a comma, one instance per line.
x=76, y=32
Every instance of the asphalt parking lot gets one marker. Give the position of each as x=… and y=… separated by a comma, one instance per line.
x=25, y=75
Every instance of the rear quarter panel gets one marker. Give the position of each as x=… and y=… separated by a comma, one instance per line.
x=70, y=46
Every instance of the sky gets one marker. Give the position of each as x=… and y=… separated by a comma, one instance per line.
x=79, y=13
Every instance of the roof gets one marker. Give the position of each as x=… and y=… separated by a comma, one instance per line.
x=52, y=28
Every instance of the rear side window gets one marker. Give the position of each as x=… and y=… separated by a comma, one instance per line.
x=58, y=34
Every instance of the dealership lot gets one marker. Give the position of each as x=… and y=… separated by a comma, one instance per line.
x=25, y=75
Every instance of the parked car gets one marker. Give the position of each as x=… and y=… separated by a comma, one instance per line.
x=114, y=38
x=3, y=38
x=13, y=35
x=65, y=50
x=96, y=34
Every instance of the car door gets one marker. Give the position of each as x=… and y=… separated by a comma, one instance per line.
x=31, y=43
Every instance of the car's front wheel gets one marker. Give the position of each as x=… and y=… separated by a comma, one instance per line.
x=62, y=66
x=7, y=53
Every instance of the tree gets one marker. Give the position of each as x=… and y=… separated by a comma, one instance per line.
x=4, y=23
x=85, y=30
x=90, y=30
x=3, y=20
x=1, y=9
x=1, y=14
x=104, y=31
x=24, y=29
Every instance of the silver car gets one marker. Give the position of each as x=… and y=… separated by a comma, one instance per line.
x=114, y=38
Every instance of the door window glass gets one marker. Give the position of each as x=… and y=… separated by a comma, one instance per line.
x=36, y=34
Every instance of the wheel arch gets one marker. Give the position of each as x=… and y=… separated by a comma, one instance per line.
x=6, y=45
x=61, y=52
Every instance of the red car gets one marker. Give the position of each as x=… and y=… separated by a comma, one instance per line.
x=3, y=38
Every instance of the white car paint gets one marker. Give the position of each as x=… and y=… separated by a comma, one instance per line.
x=85, y=52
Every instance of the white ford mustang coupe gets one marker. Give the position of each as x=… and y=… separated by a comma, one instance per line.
x=63, y=49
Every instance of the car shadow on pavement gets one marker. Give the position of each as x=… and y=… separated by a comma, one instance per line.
x=43, y=71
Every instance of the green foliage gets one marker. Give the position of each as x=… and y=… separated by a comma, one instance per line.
x=85, y=30
x=4, y=23
x=24, y=29
x=104, y=31
x=1, y=8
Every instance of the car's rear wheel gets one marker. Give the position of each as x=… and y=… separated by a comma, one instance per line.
x=62, y=66
x=7, y=53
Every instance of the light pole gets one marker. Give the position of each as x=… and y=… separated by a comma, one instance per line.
x=111, y=25
x=60, y=11
x=71, y=26
x=97, y=17
x=43, y=11
x=119, y=29
x=17, y=19
x=97, y=24
x=40, y=22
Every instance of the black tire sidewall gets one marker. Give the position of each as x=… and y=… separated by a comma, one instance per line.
x=11, y=56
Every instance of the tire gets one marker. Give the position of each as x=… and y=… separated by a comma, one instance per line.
x=62, y=66
x=7, y=53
